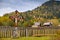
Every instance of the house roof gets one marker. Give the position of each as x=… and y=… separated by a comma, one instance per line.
x=47, y=23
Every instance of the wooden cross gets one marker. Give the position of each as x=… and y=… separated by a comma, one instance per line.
x=15, y=18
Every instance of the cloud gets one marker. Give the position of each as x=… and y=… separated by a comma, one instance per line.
x=21, y=5
x=5, y=10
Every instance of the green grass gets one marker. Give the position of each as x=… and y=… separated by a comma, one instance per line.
x=27, y=38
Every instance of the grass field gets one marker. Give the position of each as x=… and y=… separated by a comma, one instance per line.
x=28, y=38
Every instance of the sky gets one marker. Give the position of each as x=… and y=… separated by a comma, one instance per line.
x=7, y=6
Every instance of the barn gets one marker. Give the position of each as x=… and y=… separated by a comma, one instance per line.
x=47, y=24
x=36, y=24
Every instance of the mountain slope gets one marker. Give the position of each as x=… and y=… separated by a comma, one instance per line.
x=49, y=9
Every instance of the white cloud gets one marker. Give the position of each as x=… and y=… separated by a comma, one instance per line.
x=21, y=5
x=5, y=10
x=7, y=7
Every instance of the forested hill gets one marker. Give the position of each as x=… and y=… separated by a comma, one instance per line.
x=48, y=10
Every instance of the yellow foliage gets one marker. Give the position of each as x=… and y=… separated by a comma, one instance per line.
x=55, y=22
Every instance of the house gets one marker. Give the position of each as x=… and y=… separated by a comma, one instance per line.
x=47, y=24
x=36, y=24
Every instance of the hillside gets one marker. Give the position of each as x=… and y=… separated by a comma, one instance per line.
x=49, y=9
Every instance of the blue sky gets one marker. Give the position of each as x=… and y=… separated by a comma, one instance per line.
x=7, y=6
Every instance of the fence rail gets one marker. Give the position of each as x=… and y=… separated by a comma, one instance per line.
x=8, y=32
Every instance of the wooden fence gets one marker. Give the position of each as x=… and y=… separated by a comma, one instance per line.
x=8, y=32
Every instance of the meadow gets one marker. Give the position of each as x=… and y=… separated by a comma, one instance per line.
x=30, y=38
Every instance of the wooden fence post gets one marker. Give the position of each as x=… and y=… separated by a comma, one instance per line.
x=26, y=32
